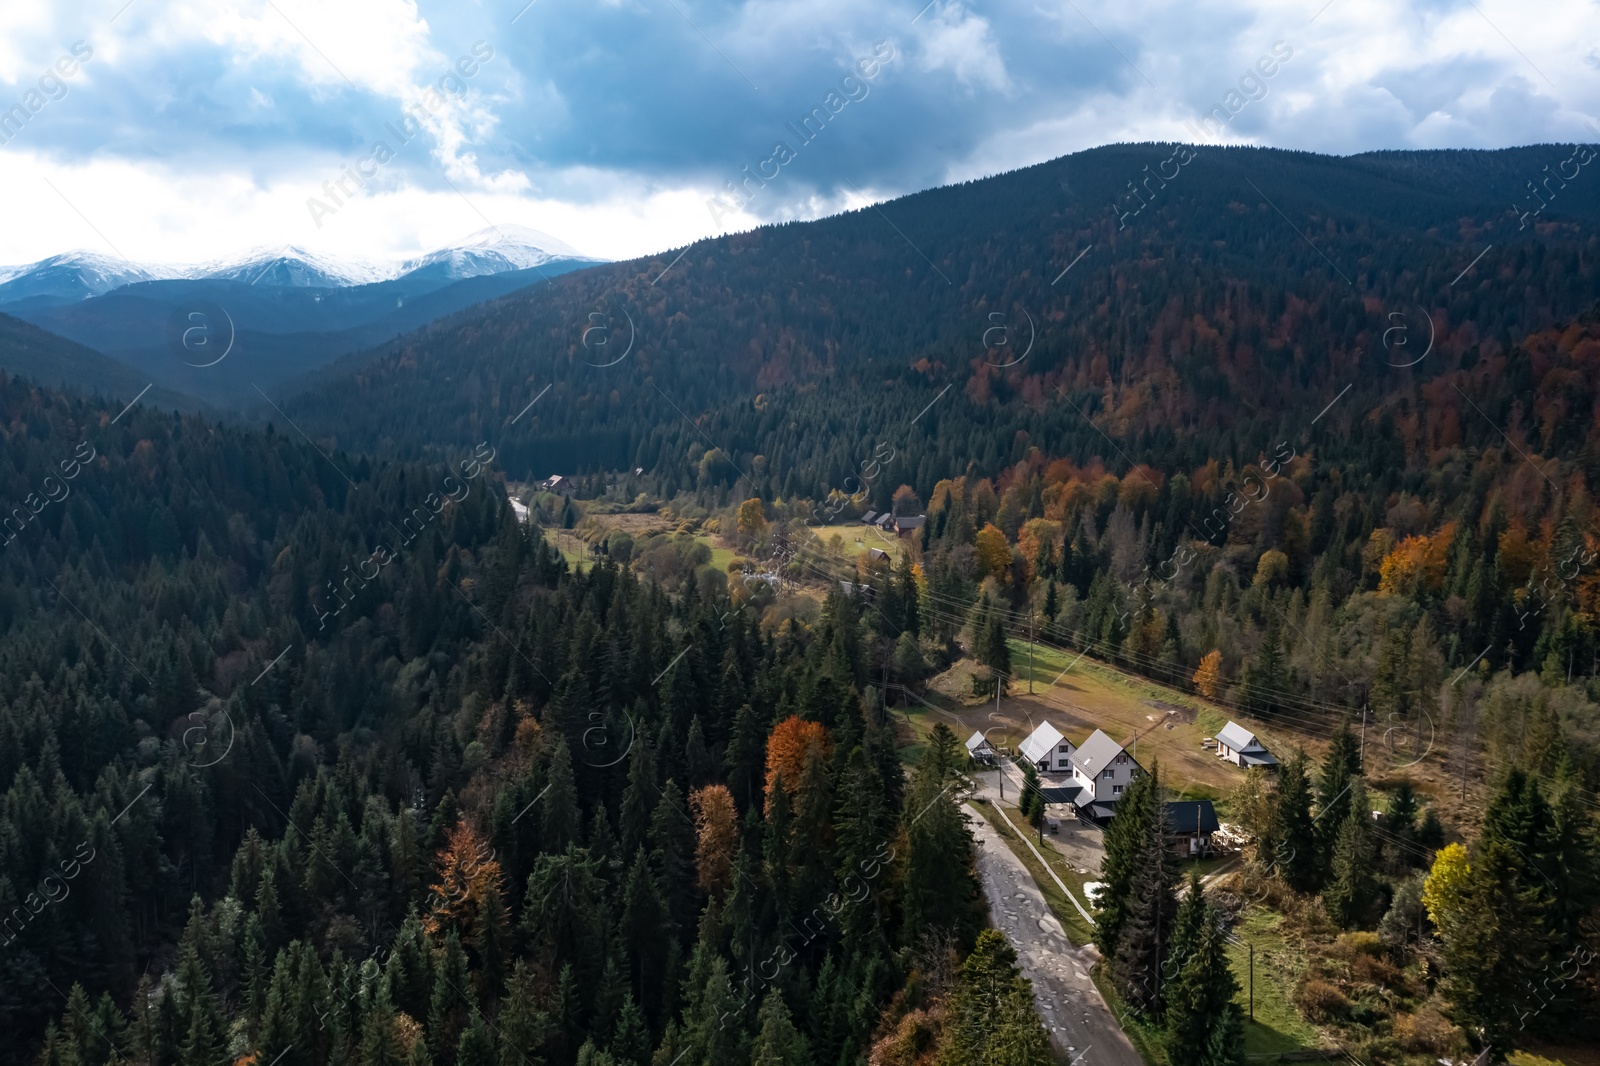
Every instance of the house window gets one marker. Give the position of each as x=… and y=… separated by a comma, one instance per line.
x=1065, y=747
x=1121, y=759
x=1108, y=774
x=1116, y=790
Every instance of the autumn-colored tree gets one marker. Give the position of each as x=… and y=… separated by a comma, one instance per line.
x=905, y=501
x=1444, y=893
x=716, y=824
x=1273, y=566
x=1208, y=675
x=468, y=873
x=787, y=748
x=752, y=520
x=994, y=552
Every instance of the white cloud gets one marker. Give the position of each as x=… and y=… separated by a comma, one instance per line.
x=202, y=126
x=959, y=42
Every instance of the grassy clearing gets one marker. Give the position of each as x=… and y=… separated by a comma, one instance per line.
x=721, y=555
x=1072, y=922
x=1278, y=1027
x=1089, y=696
x=573, y=550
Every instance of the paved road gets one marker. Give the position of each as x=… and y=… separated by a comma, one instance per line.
x=1072, y=1009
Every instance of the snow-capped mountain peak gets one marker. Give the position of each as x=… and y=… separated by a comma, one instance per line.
x=75, y=275
x=83, y=275
x=492, y=251
x=293, y=267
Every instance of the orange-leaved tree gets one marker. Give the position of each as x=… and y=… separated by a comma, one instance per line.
x=468, y=874
x=716, y=823
x=1208, y=677
x=787, y=748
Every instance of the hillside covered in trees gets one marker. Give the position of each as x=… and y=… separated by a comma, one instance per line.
x=310, y=759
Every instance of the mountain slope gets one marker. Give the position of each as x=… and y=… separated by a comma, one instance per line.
x=1238, y=296
x=279, y=331
x=30, y=352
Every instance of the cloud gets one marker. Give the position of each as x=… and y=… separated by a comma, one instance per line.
x=622, y=118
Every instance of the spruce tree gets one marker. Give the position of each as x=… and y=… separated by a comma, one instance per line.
x=1200, y=996
x=1147, y=915
x=1352, y=888
x=778, y=1042
x=1291, y=850
x=991, y=1020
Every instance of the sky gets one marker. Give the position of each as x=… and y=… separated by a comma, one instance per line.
x=193, y=130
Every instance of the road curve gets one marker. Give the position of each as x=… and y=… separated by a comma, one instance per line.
x=1079, y=1021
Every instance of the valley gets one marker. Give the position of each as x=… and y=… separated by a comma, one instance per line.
x=508, y=654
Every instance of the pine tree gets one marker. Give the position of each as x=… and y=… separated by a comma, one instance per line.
x=1292, y=849
x=746, y=758
x=1146, y=917
x=1352, y=887
x=941, y=887
x=476, y=1046
x=1200, y=996
x=559, y=819
x=1031, y=803
x=778, y=1042
x=1335, y=785
x=524, y=1028
x=991, y=1020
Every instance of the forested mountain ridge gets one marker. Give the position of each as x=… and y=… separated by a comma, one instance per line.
x=1244, y=295
x=41, y=356
x=335, y=762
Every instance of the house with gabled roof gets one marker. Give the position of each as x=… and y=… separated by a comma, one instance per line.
x=1190, y=824
x=979, y=748
x=1242, y=748
x=1048, y=750
x=1102, y=769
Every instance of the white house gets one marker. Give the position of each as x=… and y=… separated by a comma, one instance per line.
x=1102, y=769
x=1239, y=746
x=979, y=748
x=1047, y=749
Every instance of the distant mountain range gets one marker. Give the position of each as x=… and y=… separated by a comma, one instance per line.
x=219, y=331
x=81, y=275
x=1231, y=298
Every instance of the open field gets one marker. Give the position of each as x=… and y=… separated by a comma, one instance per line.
x=1278, y=1027
x=1080, y=694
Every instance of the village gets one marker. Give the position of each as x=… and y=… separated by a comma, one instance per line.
x=1084, y=782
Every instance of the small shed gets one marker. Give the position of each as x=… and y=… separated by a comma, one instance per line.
x=980, y=749
x=1243, y=748
x=1190, y=824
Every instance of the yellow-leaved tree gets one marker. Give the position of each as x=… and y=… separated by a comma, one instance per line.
x=1444, y=893
x=1208, y=675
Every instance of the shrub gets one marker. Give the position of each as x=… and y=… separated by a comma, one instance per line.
x=1352, y=946
x=912, y=1039
x=1321, y=1001
x=1427, y=1032
x=1376, y=971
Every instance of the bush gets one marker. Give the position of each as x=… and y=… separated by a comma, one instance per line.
x=1352, y=946
x=1376, y=971
x=1427, y=1032
x=912, y=1039
x=1321, y=1001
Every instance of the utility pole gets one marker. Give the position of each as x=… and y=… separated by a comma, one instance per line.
x=1030, y=652
x=1252, y=982
x=1363, y=738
